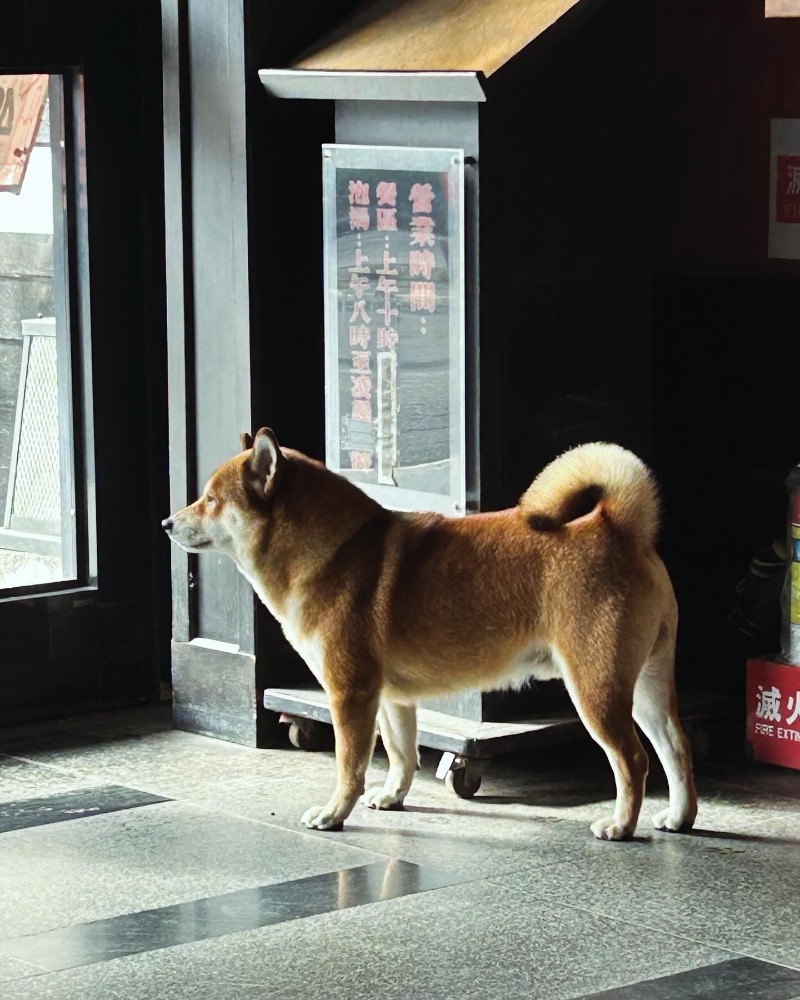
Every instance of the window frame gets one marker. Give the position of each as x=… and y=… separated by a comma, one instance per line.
x=76, y=401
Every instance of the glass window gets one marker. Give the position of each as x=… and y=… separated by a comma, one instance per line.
x=38, y=513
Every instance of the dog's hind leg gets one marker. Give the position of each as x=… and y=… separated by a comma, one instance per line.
x=604, y=702
x=398, y=727
x=353, y=716
x=655, y=708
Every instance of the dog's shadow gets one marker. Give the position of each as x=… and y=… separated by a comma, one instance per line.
x=640, y=837
x=743, y=838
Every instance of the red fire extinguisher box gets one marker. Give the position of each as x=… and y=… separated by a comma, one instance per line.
x=773, y=711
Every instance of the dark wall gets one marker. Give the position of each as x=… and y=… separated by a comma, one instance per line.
x=96, y=649
x=722, y=71
x=726, y=348
x=565, y=240
x=726, y=434
x=285, y=194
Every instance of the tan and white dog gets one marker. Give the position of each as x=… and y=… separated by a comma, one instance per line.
x=387, y=608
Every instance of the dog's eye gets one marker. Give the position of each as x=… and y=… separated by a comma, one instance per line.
x=210, y=499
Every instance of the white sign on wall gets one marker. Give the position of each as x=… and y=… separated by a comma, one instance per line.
x=784, y=189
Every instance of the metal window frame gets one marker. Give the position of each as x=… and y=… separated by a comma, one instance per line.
x=75, y=393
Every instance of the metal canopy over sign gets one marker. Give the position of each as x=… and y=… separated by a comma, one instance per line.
x=22, y=100
x=394, y=330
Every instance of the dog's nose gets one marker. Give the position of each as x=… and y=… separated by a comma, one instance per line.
x=167, y=524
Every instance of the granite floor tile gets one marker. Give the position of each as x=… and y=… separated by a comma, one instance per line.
x=736, y=893
x=575, y=784
x=70, y=805
x=474, y=838
x=12, y=968
x=215, y=916
x=761, y=779
x=732, y=980
x=496, y=831
x=169, y=762
x=549, y=911
x=103, y=866
x=20, y=779
x=519, y=816
x=137, y=722
x=469, y=941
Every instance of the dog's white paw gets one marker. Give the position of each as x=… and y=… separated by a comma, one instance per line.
x=607, y=829
x=377, y=798
x=665, y=819
x=320, y=818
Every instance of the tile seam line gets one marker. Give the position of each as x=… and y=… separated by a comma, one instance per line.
x=73, y=819
x=322, y=836
x=710, y=965
x=639, y=924
x=659, y=930
x=204, y=806
x=51, y=767
x=37, y=970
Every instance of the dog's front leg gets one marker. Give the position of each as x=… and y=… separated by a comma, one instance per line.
x=354, y=727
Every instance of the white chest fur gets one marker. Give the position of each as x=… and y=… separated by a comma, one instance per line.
x=290, y=617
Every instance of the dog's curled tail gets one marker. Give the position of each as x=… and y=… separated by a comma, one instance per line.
x=595, y=480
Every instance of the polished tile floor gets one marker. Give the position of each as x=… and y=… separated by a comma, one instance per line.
x=138, y=862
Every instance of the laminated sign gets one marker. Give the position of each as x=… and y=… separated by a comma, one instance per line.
x=784, y=202
x=395, y=323
x=22, y=101
x=773, y=712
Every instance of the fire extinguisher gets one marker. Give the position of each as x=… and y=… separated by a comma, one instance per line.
x=790, y=639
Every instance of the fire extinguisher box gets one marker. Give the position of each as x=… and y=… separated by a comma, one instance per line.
x=773, y=712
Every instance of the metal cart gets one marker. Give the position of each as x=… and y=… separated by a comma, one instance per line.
x=468, y=746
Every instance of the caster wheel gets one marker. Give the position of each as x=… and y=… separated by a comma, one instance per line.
x=463, y=781
x=271, y=734
x=307, y=735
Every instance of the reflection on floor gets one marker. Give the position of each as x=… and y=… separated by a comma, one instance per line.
x=140, y=862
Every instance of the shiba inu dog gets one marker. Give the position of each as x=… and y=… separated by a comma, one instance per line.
x=387, y=608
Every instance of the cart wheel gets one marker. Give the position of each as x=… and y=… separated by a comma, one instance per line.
x=463, y=781
x=307, y=735
x=271, y=734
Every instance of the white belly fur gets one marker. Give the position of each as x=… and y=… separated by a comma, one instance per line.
x=534, y=664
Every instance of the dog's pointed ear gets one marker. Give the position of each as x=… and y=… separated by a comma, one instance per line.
x=266, y=460
x=246, y=440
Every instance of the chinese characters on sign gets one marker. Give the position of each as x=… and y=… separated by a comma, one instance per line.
x=773, y=712
x=390, y=270
x=787, y=191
